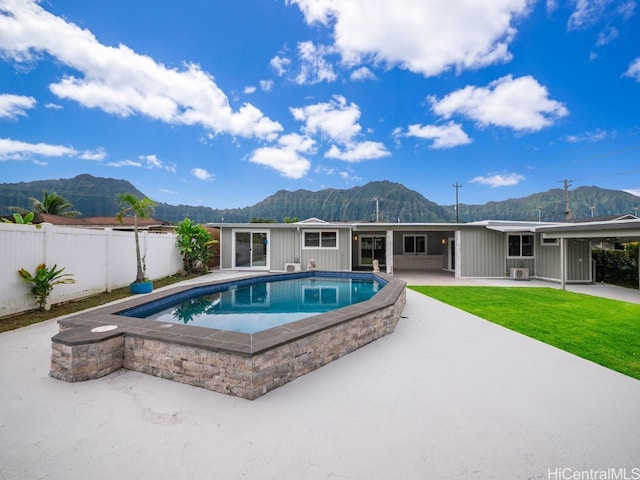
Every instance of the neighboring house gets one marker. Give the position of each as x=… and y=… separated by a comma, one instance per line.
x=559, y=252
x=150, y=224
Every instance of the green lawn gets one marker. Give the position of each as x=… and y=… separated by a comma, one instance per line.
x=604, y=331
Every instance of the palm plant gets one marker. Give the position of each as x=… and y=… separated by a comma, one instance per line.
x=139, y=208
x=53, y=204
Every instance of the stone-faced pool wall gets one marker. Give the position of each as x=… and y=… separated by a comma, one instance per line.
x=242, y=365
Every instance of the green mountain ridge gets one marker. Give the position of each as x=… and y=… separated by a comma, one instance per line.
x=381, y=200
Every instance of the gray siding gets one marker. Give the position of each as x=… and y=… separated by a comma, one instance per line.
x=330, y=259
x=226, y=248
x=482, y=253
x=578, y=261
x=284, y=247
x=547, y=260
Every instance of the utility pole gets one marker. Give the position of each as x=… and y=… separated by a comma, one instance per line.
x=539, y=207
x=457, y=187
x=568, y=214
x=377, y=200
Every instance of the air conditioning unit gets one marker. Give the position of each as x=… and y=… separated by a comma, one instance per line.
x=292, y=267
x=520, y=273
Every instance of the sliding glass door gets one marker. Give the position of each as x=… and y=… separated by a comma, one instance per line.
x=251, y=249
x=372, y=247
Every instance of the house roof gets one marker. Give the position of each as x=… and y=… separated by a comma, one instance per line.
x=621, y=229
x=97, y=222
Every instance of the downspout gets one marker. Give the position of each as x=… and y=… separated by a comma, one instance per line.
x=299, y=246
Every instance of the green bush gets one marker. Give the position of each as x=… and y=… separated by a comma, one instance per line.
x=618, y=267
x=44, y=280
x=194, y=241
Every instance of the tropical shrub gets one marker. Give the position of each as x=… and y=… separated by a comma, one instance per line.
x=618, y=267
x=44, y=280
x=19, y=218
x=194, y=242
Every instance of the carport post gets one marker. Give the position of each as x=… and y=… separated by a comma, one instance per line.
x=563, y=261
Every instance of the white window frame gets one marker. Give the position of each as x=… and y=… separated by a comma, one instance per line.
x=521, y=235
x=414, y=236
x=320, y=240
x=549, y=242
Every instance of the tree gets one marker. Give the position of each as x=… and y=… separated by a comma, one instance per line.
x=139, y=208
x=53, y=204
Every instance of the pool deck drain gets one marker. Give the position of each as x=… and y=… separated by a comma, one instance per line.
x=239, y=364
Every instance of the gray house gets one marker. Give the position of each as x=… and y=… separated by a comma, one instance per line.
x=557, y=252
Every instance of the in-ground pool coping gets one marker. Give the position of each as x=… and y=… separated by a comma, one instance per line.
x=80, y=352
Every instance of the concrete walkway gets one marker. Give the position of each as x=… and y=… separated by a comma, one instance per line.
x=447, y=396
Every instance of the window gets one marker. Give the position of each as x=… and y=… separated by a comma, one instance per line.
x=415, y=244
x=521, y=245
x=317, y=239
x=549, y=241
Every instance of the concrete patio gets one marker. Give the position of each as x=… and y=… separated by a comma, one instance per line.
x=448, y=395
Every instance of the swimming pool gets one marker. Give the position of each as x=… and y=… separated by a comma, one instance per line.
x=94, y=343
x=259, y=304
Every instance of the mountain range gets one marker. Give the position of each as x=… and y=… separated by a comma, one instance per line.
x=382, y=201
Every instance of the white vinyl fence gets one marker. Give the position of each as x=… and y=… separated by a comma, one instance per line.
x=100, y=260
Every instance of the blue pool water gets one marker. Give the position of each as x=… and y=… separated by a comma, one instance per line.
x=253, y=305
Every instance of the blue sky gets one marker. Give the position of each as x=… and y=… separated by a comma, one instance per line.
x=222, y=103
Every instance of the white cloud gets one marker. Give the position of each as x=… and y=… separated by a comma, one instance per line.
x=153, y=162
x=347, y=174
x=608, y=36
x=356, y=152
x=95, y=155
x=337, y=121
x=314, y=68
x=494, y=181
x=589, y=137
x=13, y=106
x=520, y=104
x=121, y=81
x=249, y=90
x=634, y=70
x=633, y=191
x=590, y=12
x=286, y=158
x=427, y=36
x=202, y=174
x=124, y=163
x=280, y=65
x=266, y=85
x=443, y=136
x=362, y=73
x=53, y=106
x=334, y=119
x=17, y=150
